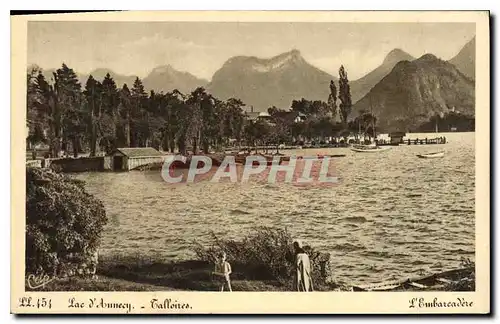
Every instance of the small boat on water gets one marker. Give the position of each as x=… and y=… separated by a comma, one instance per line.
x=433, y=155
x=373, y=147
x=369, y=148
x=436, y=281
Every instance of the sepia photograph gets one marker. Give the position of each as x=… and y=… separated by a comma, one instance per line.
x=173, y=156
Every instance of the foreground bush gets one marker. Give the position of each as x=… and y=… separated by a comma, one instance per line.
x=63, y=224
x=265, y=254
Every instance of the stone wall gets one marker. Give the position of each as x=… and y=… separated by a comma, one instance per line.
x=83, y=164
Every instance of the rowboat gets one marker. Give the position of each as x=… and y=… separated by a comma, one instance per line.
x=434, y=155
x=437, y=281
x=369, y=148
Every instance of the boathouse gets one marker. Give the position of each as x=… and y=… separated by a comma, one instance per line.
x=397, y=137
x=129, y=158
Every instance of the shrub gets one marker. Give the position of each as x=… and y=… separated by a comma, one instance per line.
x=265, y=254
x=63, y=224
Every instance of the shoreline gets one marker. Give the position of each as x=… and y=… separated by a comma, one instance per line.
x=135, y=274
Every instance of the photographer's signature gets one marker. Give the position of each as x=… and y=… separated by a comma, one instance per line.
x=37, y=281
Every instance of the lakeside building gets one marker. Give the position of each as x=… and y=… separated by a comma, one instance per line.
x=397, y=137
x=129, y=158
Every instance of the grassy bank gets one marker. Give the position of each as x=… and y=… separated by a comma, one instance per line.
x=134, y=273
x=263, y=260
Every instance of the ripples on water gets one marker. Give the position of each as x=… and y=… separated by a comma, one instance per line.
x=392, y=215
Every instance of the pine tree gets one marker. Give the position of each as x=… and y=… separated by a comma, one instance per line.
x=109, y=121
x=138, y=98
x=125, y=112
x=68, y=115
x=93, y=100
x=35, y=117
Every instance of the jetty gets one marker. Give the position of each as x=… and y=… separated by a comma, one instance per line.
x=425, y=141
x=262, y=148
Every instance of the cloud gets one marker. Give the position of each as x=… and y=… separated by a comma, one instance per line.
x=160, y=41
x=140, y=56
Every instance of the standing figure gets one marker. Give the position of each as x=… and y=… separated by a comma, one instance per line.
x=303, y=280
x=222, y=272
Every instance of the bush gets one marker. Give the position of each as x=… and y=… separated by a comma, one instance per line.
x=265, y=254
x=63, y=224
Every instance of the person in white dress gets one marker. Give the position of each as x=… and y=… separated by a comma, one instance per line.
x=303, y=280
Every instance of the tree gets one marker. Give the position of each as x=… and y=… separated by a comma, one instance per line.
x=309, y=108
x=332, y=99
x=344, y=95
x=110, y=120
x=302, y=106
x=101, y=116
x=256, y=132
x=68, y=117
x=156, y=118
x=138, y=127
x=47, y=112
x=62, y=220
x=177, y=121
x=94, y=102
x=363, y=124
x=203, y=125
x=125, y=117
x=36, y=116
x=233, y=119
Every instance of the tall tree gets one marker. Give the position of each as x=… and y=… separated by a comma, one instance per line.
x=125, y=114
x=177, y=121
x=109, y=121
x=93, y=101
x=155, y=118
x=332, y=99
x=204, y=125
x=235, y=119
x=139, y=133
x=344, y=95
x=69, y=121
x=35, y=114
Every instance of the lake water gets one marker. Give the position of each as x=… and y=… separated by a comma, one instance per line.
x=392, y=215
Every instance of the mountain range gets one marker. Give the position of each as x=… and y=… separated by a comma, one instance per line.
x=401, y=88
x=263, y=83
x=465, y=60
x=415, y=91
x=162, y=78
x=360, y=87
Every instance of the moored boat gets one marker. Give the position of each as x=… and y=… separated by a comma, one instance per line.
x=369, y=148
x=436, y=281
x=433, y=155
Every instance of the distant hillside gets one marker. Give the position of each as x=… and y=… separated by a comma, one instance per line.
x=465, y=60
x=277, y=81
x=166, y=78
x=360, y=87
x=162, y=78
x=414, y=91
x=98, y=74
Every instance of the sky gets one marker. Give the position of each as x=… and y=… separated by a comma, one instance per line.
x=201, y=48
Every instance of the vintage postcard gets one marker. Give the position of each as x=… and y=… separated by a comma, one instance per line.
x=251, y=162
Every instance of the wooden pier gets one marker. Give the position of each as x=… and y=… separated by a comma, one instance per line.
x=424, y=141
